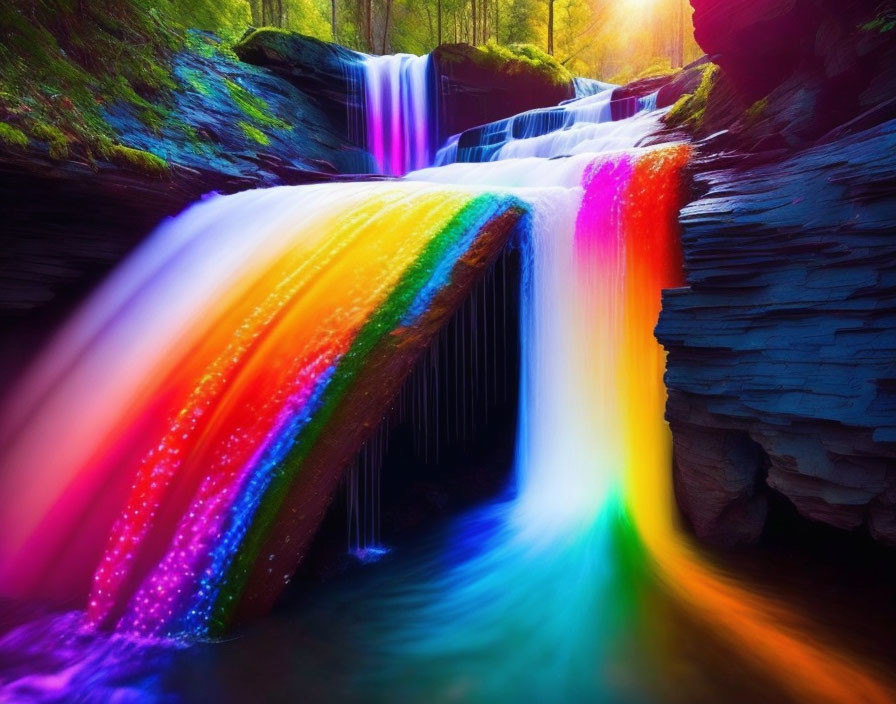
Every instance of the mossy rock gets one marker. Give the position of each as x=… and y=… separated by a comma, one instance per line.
x=297, y=56
x=56, y=140
x=690, y=109
x=12, y=136
x=136, y=159
x=512, y=60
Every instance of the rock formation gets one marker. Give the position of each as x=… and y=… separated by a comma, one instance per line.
x=782, y=352
x=230, y=126
x=477, y=87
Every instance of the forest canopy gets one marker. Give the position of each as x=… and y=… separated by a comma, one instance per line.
x=614, y=40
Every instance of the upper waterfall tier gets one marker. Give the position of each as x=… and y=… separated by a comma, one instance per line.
x=575, y=127
x=397, y=109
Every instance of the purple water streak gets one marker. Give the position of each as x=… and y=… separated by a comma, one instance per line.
x=397, y=106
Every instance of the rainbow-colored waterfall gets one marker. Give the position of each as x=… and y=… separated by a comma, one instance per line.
x=205, y=374
x=397, y=112
x=167, y=461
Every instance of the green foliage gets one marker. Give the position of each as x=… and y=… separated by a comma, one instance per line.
x=519, y=28
x=12, y=136
x=227, y=18
x=309, y=17
x=690, y=108
x=254, y=134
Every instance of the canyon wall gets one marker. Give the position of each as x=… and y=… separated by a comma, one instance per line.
x=782, y=346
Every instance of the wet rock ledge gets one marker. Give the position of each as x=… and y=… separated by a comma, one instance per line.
x=782, y=347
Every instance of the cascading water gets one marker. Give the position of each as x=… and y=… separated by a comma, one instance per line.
x=187, y=442
x=580, y=126
x=589, y=86
x=397, y=100
x=217, y=377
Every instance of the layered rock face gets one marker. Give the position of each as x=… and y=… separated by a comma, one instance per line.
x=782, y=350
x=782, y=347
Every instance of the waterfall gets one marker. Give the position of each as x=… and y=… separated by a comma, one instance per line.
x=579, y=126
x=397, y=110
x=167, y=460
x=205, y=373
x=648, y=102
x=588, y=86
x=591, y=244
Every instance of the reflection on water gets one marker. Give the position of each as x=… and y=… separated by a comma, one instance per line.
x=54, y=657
x=464, y=615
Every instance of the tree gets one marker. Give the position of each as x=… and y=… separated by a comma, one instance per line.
x=333, y=20
x=386, y=24
x=598, y=38
x=551, y=27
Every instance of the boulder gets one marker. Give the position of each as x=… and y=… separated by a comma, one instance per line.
x=327, y=73
x=481, y=85
x=792, y=71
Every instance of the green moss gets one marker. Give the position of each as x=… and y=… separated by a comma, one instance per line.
x=884, y=22
x=191, y=136
x=268, y=36
x=62, y=63
x=754, y=113
x=253, y=106
x=12, y=136
x=137, y=159
x=196, y=81
x=533, y=58
x=657, y=67
x=690, y=108
x=211, y=47
x=512, y=59
x=54, y=137
x=254, y=134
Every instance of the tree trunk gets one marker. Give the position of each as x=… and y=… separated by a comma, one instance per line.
x=368, y=26
x=255, y=11
x=551, y=27
x=682, y=14
x=386, y=25
x=439, y=22
x=473, y=8
x=333, y=19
